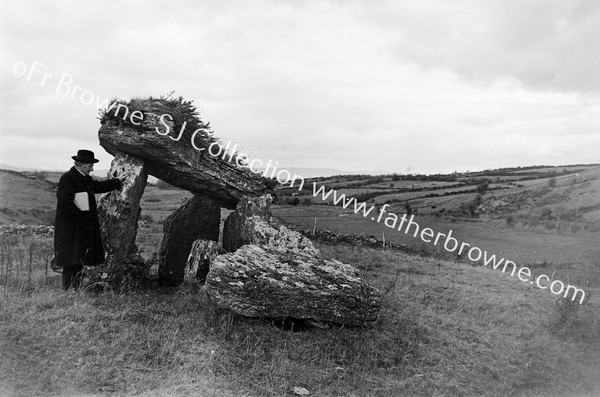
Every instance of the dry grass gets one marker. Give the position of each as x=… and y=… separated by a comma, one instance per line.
x=445, y=329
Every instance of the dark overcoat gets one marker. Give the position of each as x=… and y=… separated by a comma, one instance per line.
x=77, y=239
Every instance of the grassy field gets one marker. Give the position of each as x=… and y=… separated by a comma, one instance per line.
x=446, y=329
x=572, y=257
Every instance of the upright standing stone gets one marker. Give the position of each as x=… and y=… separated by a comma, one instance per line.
x=251, y=224
x=234, y=230
x=202, y=254
x=118, y=211
x=199, y=218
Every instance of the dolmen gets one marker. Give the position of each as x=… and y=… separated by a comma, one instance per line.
x=255, y=267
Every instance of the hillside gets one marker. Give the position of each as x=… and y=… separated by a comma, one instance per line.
x=568, y=196
x=547, y=218
x=448, y=327
x=29, y=196
x=26, y=198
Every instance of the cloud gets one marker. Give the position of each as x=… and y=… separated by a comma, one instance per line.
x=545, y=45
x=351, y=85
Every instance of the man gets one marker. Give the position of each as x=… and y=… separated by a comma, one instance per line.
x=77, y=240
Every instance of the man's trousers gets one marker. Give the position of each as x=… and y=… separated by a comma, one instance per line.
x=72, y=276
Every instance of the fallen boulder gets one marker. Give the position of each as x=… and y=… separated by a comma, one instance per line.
x=272, y=271
x=258, y=281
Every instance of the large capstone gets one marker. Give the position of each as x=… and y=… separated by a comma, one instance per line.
x=179, y=160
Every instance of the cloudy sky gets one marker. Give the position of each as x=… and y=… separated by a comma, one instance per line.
x=426, y=86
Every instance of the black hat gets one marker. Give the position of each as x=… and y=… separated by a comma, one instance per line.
x=85, y=156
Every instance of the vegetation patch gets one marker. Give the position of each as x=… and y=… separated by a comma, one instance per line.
x=183, y=114
x=441, y=332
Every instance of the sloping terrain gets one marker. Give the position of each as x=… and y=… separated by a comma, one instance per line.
x=547, y=218
x=447, y=328
x=26, y=198
x=574, y=197
x=569, y=192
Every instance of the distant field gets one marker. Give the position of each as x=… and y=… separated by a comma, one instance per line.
x=414, y=195
x=573, y=257
x=548, y=169
x=26, y=199
x=160, y=203
x=447, y=327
